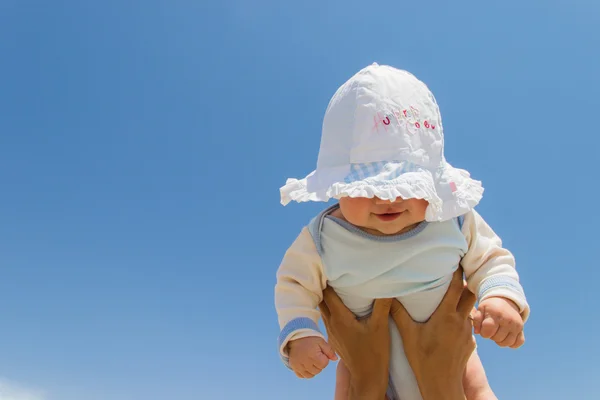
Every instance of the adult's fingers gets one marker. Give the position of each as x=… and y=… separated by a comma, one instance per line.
x=336, y=306
x=381, y=310
x=325, y=313
x=451, y=298
x=400, y=316
x=466, y=303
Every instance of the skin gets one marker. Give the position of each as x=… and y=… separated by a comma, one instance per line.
x=500, y=320
x=438, y=350
x=363, y=344
x=382, y=217
x=476, y=387
x=309, y=357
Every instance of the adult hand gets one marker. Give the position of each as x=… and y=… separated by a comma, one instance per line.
x=363, y=345
x=438, y=349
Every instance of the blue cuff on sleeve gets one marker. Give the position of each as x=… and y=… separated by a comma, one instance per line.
x=500, y=282
x=505, y=287
x=291, y=327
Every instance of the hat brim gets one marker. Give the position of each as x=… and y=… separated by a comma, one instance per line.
x=450, y=191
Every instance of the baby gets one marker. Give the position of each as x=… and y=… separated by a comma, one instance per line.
x=404, y=223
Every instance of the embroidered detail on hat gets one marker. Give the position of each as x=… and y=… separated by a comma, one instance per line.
x=377, y=120
x=409, y=118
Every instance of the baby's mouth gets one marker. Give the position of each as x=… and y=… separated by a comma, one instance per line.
x=386, y=217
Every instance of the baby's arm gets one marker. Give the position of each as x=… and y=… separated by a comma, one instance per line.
x=298, y=292
x=491, y=274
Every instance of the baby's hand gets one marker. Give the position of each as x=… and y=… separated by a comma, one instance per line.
x=309, y=356
x=499, y=319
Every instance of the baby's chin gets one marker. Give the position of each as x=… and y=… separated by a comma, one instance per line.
x=388, y=230
x=395, y=230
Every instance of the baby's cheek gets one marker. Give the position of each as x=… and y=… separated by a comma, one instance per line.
x=355, y=212
x=418, y=207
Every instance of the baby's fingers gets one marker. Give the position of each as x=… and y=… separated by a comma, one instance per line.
x=328, y=351
x=519, y=341
x=303, y=374
x=307, y=371
x=477, y=320
x=509, y=341
x=307, y=375
x=489, y=327
x=320, y=360
x=313, y=370
x=502, y=334
x=508, y=332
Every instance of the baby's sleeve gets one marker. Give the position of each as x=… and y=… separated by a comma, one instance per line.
x=298, y=292
x=490, y=268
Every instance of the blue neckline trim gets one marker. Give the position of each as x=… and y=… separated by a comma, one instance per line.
x=389, y=238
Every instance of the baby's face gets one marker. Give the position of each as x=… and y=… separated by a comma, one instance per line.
x=383, y=217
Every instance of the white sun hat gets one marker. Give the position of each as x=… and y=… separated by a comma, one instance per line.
x=383, y=137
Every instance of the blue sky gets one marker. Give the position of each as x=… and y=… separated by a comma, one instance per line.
x=143, y=144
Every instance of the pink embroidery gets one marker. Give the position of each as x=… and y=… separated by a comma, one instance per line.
x=407, y=118
x=384, y=124
x=453, y=187
x=377, y=120
x=375, y=124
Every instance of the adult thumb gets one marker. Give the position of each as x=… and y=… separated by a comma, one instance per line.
x=328, y=351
